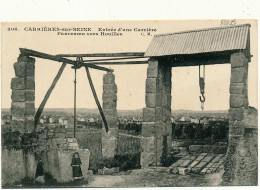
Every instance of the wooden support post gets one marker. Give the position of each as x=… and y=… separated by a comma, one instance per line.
x=47, y=95
x=96, y=99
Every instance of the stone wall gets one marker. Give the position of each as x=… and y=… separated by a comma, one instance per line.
x=241, y=162
x=157, y=114
x=28, y=144
x=109, y=140
x=23, y=95
x=58, y=164
x=16, y=165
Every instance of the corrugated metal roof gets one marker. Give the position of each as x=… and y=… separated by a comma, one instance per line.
x=199, y=41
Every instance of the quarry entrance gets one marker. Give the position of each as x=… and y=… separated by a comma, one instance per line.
x=222, y=45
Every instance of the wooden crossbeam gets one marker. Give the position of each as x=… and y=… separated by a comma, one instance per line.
x=135, y=57
x=122, y=63
x=47, y=95
x=33, y=53
x=103, y=54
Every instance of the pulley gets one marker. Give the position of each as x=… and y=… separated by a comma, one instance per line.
x=202, y=87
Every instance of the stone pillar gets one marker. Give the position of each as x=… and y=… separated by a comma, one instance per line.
x=23, y=95
x=109, y=140
x=157, y=114
x=236, y=168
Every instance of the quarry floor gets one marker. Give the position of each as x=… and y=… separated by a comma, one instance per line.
x=153, y=177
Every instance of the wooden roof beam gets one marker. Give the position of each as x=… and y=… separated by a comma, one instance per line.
x=123, y=54
x=33, y=53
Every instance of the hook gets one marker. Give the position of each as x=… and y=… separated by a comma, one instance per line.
x=203, y=99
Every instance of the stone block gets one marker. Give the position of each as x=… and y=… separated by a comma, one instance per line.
x=108, y=78
x=112, y=123
x=23, y=58
x=201, y=165
x=153, y=100
x=166, y=100
x=152, y=85
x=208, y=158
x=183, y=171
x=18, y=109
x=166, y=114
x=153, y=68
x=237, y=88
x=29, y=109
x=147, y=159
x=159, y=129
x=110, y=112
x=30, y=69
x=237, y=128
x=168, y=128
x=194, y=163
x=236, y=101
x=174, y=170
x=110, y=88
x=238, y=75
x=109, y=143
x=148, y=144
x=112, y=132
x=20, y=69
x=168, y=86
x=245, y=103
x=30, y=95
x=30, y=83
x=215, y=160
x=185, y=163
x=158, y=114
x=18, y=95
x=18, y=83
x=236, y=114
x=149, y=114
x=109, y=105
x=109, y=97
x=238, y=59
x=148, y=129
x=109, y=147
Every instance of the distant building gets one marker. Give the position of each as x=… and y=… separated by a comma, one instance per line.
x=91, y=120
x=194, y=120
x=51, y=120
x=204, y=121
x=82, y=119
x=184, y=119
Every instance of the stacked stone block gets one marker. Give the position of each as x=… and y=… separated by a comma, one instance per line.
x=157, y=114
x=109, y=139
x=23, y=95
x=235, y=170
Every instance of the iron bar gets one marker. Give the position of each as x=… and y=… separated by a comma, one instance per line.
x=122, y=63
x=59, y=59
x=103, y=54
x=75, y=103
x=94, y=60
x=96, y=99
x=46, y=97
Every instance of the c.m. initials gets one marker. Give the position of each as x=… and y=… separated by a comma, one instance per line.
x=228, y=22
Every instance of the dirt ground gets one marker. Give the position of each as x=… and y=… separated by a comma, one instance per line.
x=153, y=177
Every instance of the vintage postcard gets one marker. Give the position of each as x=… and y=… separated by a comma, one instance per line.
x=129, y=104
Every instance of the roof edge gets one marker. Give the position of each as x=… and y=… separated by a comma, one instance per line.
x=205, y=29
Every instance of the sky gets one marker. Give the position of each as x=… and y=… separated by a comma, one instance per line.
x=130, y=79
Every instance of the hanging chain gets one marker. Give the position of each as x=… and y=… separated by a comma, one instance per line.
x=202, y=87
x=79, y=61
